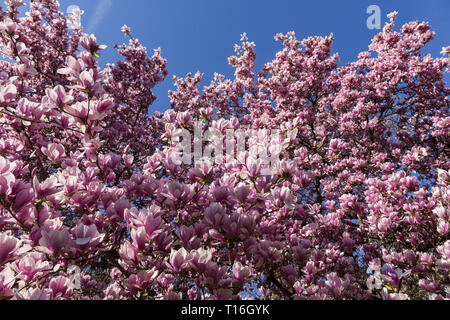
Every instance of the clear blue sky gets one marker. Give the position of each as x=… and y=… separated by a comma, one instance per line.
x=200, y=34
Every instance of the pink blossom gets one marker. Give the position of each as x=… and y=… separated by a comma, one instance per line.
x=240, y=272
x=33, y=294
x=55, y=242
x=55, y=152
x=87, y=236
x=30, y=265
x=7, y=280
x=214, y=214
x=24, y=197
x=355, y=208
x=9, y=247
x=89, y=42
x=125, y=29
x=7, y=94
x=8, y=25
x=178, y=259
x=60, y=287
x=58, y=96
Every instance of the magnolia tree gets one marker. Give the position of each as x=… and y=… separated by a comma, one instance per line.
x=98, y=201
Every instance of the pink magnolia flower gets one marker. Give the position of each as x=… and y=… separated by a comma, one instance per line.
x=61, y=287
x=393, y=276
x=200, y=259
x=73, y=67
x=46, y=188
x=55, y=242
x=109, y=161
x=393, y=296
x=241, y=273
x=125, y=29
x=55, y=152
x=443, y=176
x=101, y=109
x=242, y=192
x=6, y=166
x=7, y=94
x=179, y=259
x=8, y=25
x=129, y=253
x=446, y=50
x=140, y=238
x=189, y=237
x=24, y=197
x=7, y=280
x=30, y=265
x=141, y=281
x=178, y=192
x=58, y=96
x=336, y=285
x=9, y=248
x=89, y=42
x=214, y=275
x=87, y=236
x=214, y=214
x=33, y=294
x=7, y=179
x=89, y=176
x=116, y=210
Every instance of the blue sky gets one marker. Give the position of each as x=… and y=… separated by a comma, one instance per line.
x=200, y=34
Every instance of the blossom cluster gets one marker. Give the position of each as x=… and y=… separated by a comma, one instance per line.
x=357, y=207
